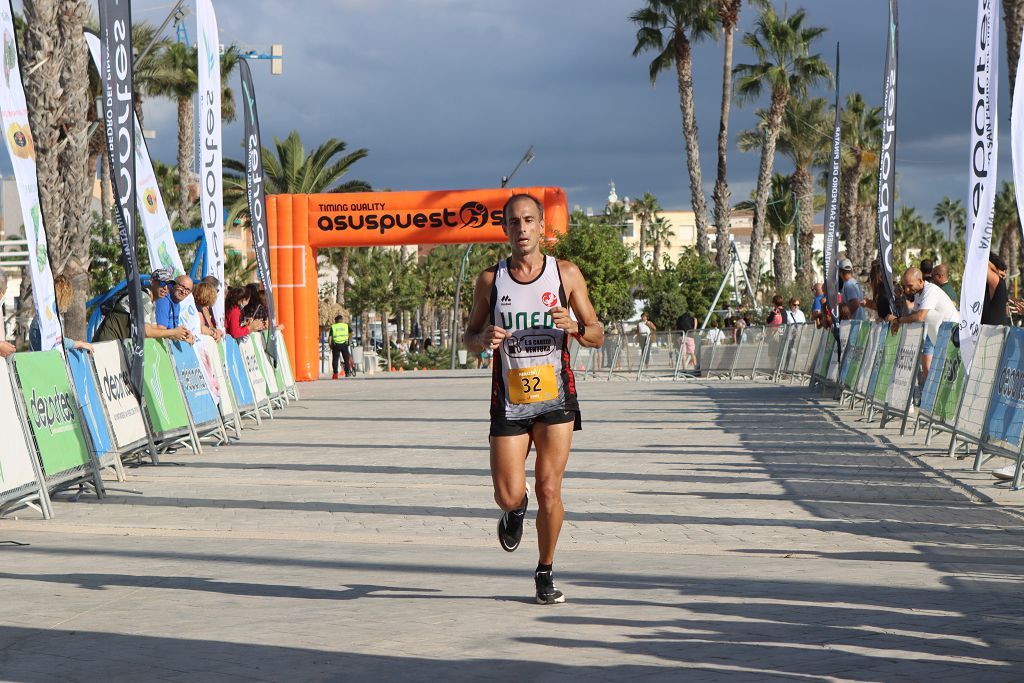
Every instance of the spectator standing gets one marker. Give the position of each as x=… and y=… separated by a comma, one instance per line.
x=879, y=301
x=993, y=310
x=714, y=336
x=795, y=316
x=205, y=295
x=927, y=270
x=777, y=316
x=237, y=326
x=940, y=277
x=62, y=292
x=645, y=330
x=817, y=303
x=687, y=324
x=851, y=292
x=931, y=306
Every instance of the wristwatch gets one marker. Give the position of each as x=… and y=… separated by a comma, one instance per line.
x=582, y=330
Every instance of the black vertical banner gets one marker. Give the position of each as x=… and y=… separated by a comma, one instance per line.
x=257, y=199
x=118, y=108
x=887, y=157
x=832, y=215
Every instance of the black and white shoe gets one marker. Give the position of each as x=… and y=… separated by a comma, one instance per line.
x=510, y=526
x=547, y=592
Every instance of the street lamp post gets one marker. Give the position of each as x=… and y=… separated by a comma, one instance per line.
x=527, y=158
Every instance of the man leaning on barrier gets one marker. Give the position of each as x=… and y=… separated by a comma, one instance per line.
x=932, y=306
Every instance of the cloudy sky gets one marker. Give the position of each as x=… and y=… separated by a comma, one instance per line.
x=448, y=94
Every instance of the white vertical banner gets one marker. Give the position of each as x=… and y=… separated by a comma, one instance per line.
x=211, y=188
x=1017, y=138
x=163, y=250
x=981, y=196
x=21, y=148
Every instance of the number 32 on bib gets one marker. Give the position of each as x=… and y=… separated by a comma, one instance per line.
x=532, y=385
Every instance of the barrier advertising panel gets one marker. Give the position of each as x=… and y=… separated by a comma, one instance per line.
x=886, y=365
x=224, y=398
x=285, y=363
x=52, y=416
x=980, y=382
x=89, y=400
x=854, y=352
x=263, y=363
x=905, y=366
x=868, y=364
x=123, y=409
x=1006, y=413
x=935, y=373
x=252, y=369
x=231, y=354
x=163, y=399
x=16, y=470
x=193, y=383
x=951, y=385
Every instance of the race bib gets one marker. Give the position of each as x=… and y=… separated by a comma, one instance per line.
x=532, y=385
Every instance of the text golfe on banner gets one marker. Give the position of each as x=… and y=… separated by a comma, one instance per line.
x=257, y=200
x=211, y=155
x=982, y=191
x=116, y=85
x=887, y=157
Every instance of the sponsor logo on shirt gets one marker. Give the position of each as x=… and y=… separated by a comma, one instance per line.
x=549, y=299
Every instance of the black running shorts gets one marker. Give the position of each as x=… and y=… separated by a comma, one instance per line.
x=502, y=427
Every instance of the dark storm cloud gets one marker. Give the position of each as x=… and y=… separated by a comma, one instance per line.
x=450, y=93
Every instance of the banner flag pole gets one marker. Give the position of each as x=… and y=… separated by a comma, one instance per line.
x=116, y=82
x=211, y=154
x=257, y=200
x=831, y=250
x=21, y=149
x=982, y=191
x=887, y=155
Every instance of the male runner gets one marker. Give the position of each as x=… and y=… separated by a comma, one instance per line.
x=521, y=310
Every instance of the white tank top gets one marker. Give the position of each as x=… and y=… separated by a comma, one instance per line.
x=531, y=372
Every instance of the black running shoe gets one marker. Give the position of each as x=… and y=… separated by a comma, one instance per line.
x=547, y=592
x=510, y=526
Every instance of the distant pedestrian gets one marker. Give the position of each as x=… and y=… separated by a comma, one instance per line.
x=818, y=304
x=340, y=335
x=927, y=269
x=645, y=330
x=687, y=326
x=879, y=301
x=714, y=336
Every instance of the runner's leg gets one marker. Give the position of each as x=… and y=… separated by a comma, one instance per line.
x=552, y=443
x=508, y=469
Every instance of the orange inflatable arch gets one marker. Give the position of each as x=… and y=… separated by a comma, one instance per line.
x=298, y=225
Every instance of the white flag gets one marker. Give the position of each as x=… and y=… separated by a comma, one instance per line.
x=981, y=196
x=1017, y=138
x=211, y=190
x=21, y=148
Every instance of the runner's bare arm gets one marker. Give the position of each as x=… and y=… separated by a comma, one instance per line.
x=480, y=334
x=579, y=302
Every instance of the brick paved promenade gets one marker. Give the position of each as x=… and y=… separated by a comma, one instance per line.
x=715, y=531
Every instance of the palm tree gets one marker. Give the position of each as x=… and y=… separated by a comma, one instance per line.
x=55, y=64
x=786, y=68
x=644, y=210
x=729, y=17
x=174, y=74
x=1006, y=225
x=803, y=138
x=949, y=212
x=289, y=170
x=861, y=131
x=669, y=28
x=781, y=218
x=660, y=236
